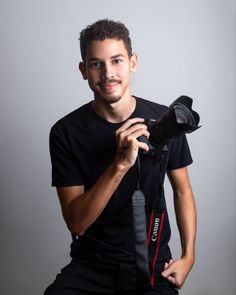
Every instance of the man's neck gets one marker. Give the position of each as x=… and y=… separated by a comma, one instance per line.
x=115, y=112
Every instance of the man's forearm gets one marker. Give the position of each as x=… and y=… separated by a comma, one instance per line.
x=86, y=208
x=186, y=220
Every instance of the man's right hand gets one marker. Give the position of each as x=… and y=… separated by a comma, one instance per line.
x=127, y=143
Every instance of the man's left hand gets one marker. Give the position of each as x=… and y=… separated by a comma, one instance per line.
x=176, y=271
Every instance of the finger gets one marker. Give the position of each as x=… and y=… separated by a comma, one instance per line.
x=169, y=270
x=132, y=141
x=143, y=146
x=130, y=138
x=137, y=133
x=171, y=261
x=131, y=130
x=166, y=265
x=129, y=123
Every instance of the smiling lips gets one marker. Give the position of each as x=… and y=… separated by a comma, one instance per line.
x=110, y=85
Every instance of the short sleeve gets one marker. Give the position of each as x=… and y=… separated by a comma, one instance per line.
x=180, y=155
x=65, y=168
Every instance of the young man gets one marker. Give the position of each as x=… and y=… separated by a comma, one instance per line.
x=99, y=161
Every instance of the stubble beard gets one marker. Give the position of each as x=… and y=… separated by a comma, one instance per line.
x=111, y=98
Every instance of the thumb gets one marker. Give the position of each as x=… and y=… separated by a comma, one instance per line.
x=170, y=274
x=168, y=270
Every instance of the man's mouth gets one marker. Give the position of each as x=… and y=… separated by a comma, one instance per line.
x=109, y=85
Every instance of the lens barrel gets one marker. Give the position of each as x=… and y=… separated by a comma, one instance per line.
x=179, y=119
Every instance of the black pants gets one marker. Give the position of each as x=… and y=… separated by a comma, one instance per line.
x=99, y=278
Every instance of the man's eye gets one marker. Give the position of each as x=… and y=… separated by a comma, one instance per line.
x=95, y=65
x=117, y=61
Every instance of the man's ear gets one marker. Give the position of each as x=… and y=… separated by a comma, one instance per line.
x=134, y=62
x=82, y=69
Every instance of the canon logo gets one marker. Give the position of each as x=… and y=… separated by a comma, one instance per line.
x=155, y=229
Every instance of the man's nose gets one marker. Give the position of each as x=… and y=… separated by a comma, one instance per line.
x=108, y=71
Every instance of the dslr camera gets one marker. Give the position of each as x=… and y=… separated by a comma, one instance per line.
x=179, y=119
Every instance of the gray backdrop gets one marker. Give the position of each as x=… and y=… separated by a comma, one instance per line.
x=184, y=47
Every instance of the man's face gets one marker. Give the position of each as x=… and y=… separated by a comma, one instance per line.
x=108, y=70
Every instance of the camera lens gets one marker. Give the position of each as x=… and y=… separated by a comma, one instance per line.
x=183, y=115
x=180, y=118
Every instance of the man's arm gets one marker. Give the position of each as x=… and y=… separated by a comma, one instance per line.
x=176, y=271
x=81, y=208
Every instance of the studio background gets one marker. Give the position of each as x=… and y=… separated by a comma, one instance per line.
x=185, y=47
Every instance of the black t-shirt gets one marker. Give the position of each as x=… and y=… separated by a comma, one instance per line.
x=82, y=146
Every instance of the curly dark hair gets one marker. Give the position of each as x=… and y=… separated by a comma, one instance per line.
x=101, y=30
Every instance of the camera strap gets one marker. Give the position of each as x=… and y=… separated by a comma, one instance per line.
x=140, y=233
x=147, y=242
x=156, y=221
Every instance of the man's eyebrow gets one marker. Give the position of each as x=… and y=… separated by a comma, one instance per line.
x=112, y=57
x=117, y=55
x=94, y=59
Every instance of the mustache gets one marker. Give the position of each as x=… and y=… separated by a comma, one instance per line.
x=107, y=81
